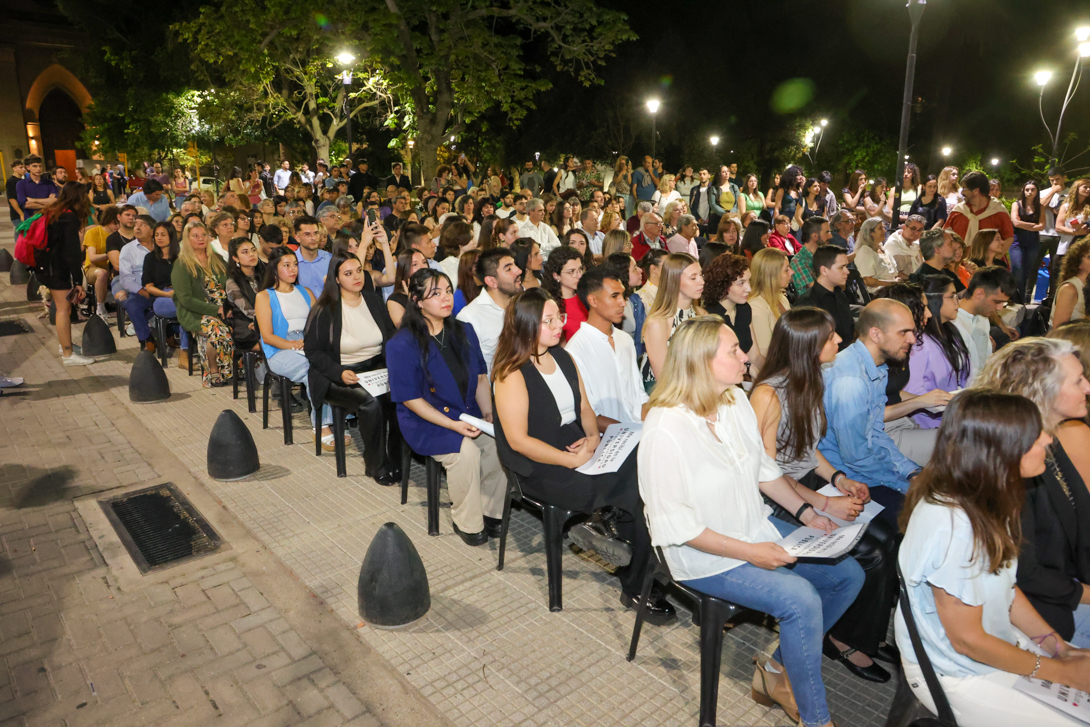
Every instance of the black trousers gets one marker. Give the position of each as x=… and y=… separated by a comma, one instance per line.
x=377, y=419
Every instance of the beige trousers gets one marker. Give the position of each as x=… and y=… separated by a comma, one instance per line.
x=476, y=482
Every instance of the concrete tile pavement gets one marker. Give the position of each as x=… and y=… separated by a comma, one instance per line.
x=489, y=651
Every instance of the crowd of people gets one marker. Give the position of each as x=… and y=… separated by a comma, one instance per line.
x=770, y=344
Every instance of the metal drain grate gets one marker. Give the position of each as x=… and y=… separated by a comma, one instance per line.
x=160, y=527
x=13, y=328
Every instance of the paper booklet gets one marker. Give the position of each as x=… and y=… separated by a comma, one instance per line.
x=480, y=424
x=1058, y=696
x=376, y=382
x=617, y=443
x=871, y=509
x=814, y=543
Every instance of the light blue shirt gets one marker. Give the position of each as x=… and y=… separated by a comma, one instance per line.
x=130, y=263
x=312, y=274
x=938, y=551
x=159, y=210
x=855, y=438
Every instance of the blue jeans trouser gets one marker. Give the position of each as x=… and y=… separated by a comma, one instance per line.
x=807, y=599
x=1023, y=256
x=294, y=365
x=138, y=308
x=165, y=308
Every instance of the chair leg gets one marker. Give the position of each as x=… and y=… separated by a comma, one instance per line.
x=164, y=354
x=251, y=381
x=338, y=441
x=505, y=523
x=265, y=403
x=121, y=319
x=433, y=471
x=285, y=409
x=906, y=709
x=554, y=520
x=236, y=357
x=192, y=351
x=641, y=610
x=714, y=614
x=406, y=465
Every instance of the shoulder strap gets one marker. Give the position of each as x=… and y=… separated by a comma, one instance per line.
x=946, y=714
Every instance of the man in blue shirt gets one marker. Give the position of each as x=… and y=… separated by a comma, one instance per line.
x=644, y=181
x=138, y=301
x=34, y=191
x=313, y=261
x=855, y=399
x=152, y=198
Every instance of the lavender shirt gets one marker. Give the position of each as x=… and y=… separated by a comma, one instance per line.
x=930, y=370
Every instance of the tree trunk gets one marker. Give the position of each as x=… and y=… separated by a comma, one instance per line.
x=428, y=140
x=321, y=146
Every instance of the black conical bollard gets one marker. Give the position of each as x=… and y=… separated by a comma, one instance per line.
x=393, y=587
x=32, y=285
x=232, y=453
x=98, y=339
x=6, y=260
x=147, y=380
x=19, y=275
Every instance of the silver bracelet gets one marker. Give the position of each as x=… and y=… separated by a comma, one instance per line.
x=1033, y=673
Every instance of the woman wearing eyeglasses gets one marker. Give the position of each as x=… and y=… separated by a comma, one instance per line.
x=562, y=272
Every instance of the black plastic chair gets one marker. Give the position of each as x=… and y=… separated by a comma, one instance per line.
x=712, y=614
x=191, y=351
x=907, y=711
x=433, y=471
x=161, y=327
x=122, y=319
x=285, y=404
x=246, y=363
x=554, y=521
x=337, y=427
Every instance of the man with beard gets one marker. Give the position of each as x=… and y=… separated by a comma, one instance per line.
x=502, y=281
x=855, y=441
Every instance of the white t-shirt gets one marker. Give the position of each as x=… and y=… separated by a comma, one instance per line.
x=662, y=201
x=611, y=374
x=542, y=234
x=562, y=394
x=976, y=333
x=905, y=255
x=487, y=320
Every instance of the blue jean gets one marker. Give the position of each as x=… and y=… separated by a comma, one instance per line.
x=807, y=599
x=294, y=365
x=165, y=308
x=1024, y=262
x=1081, y=639
x=138, y=308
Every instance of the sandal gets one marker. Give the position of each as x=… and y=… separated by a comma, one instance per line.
x=215, y=380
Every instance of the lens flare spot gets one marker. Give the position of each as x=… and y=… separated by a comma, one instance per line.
x=792, y=95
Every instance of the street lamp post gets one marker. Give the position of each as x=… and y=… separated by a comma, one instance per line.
x=1082, y=35
x=653, y=107
x=915, y=12
x=346, y=59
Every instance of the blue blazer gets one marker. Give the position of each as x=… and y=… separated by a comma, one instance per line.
x=408, y=382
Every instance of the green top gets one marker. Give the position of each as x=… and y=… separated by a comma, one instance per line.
x=189, y=296
x=753, y=205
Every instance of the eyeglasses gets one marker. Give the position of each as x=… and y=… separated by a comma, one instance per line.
x=577, y=271
x=559, y=320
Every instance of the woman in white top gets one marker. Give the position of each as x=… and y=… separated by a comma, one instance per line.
x=665, y=194
x=959, y=558
x=281, y=310
x=1070, y=302
x=680, y=287
x=870, y=259
x=703, y=469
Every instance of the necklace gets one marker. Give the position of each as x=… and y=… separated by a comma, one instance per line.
x=439, y=339
x=1051, y=459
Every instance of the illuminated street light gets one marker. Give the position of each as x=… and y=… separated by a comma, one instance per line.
x=653, y=107
x=995, y=162
x=714, y=140
x=1042, y=77
x=824, y=122
x=345, y=58
x=1082, y=34
x=946, y=151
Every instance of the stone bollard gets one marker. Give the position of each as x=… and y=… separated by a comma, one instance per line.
x=18, y=275
x=6, y=260
x=393, y=585
x=232, y=453
x=98, y=339
x=147, y=380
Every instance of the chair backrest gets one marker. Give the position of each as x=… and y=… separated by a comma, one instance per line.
x=946, y=714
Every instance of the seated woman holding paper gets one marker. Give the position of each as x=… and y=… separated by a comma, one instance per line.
x=346, y=336
x=959, y=558
x=546, y=442
x=702, y=471
x=787, y=399
x=438, y=374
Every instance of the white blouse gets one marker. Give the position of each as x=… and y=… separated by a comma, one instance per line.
x=690, y=482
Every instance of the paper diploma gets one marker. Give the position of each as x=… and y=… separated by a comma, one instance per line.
x=814, y=543
x=376, y=382
x=1058, y=696
x=871, y=509
x=480, y=424
x=617, y=443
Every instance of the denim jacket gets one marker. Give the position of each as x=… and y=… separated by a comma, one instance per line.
x=855, y=440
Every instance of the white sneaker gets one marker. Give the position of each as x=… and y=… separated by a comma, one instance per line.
x=8, y=382
x=101, y=311
x=77, y=360
x=75, y=349
x=129, y=330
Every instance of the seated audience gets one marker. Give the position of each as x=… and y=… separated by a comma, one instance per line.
x=562, y=273
x=138, y=301
x=938, y=250
x=767, y=301
x=468, y=287
x=527, y=254
x=830, y=271
x=939, y=360
x=814, y=234
x=627, y=270
x=345, y=336
x=245, y=278
x=501, y=280
x=158, y=266
x=870, y=257
x=726, y=294
x=437, y=374
x=702, y=470
x=409, y=261
x=199, y=297
x=681, y=284
x=781, y=238
x=1070, y=302
x=988, y=292
x=959, y=557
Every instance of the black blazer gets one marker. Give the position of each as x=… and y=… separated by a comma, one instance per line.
x=1055, y=557
x=322, y=345
x=544, y=416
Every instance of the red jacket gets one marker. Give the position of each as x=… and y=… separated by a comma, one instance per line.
x=641, y=246
x=788, y=244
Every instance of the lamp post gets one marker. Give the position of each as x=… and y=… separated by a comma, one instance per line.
x=411, y=145
x=946, y=151
x=653, y=107
x=814, y=137
x=346, y=59
x=1082, y=36
x=915, y=12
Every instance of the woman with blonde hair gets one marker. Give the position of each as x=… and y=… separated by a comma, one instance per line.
x=665, y=194
x=771, y=271
x=681, y=285
x=948, y=186
x=610, y=221
x=199, y=278
x=988, y=249
x=622, y=184
x=616, y=241
x=670, y=218
x=702, y=471
x=1070, y=302
x=870, y=258
x=729, y=233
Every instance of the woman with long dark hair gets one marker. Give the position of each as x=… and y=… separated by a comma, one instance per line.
x=437, y=373
x=562, y=273
x=930, y=205
x=545, y=443
x=963, y=526
x=468, y=287
x=158, y=265
x=245, y=274
x=755, y=238
x=408, y=262
x=788, y=194
x=939, y=360
x=346, y=335
x=854, y=194
x=809, y=204
x=59, y=266
x=1028, y=223
x=788, y=401
x=910, y=189
x=580, y=241
x=879, y=201
x=100, y=194
x=527, y=254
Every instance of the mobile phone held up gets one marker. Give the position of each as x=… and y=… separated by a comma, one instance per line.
x=372, y=216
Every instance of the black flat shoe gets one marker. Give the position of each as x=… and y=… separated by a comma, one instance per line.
x=659, y=611
x=473, y=539
x=492, y=526
x=386, y=479
x=889, y=654
x=872, y=673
